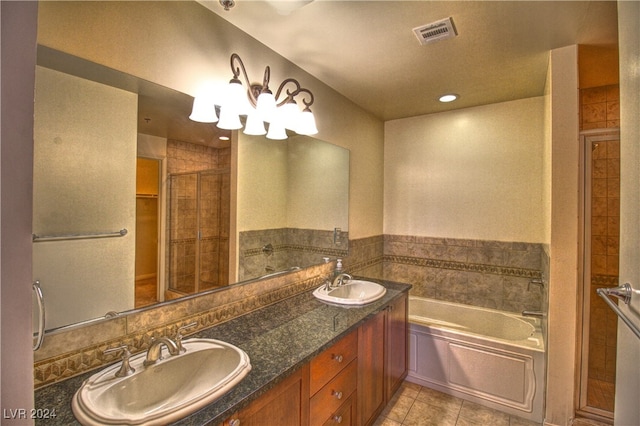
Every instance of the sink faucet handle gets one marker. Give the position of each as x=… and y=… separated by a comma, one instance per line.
x=179, y=335
x=125, y=368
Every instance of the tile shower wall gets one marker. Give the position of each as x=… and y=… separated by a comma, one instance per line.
x=188, y=256
x=600, y=109
x=490, y=274
x=270, y=250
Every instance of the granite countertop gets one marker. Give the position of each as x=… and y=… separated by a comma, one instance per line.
x=279, y=339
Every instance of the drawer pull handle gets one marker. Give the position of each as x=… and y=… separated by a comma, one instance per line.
x=338, y=358
x=337, y=419
x=337, y=394
x=234, y=422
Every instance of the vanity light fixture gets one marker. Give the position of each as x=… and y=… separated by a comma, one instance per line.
x=448, y=98
x=258, y=104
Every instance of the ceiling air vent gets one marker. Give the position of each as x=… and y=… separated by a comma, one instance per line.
x=435, y=31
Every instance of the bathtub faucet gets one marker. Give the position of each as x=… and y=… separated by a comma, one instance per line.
x=533, y=314
x=536, y=281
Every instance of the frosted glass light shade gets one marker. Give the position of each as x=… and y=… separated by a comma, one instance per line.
x=306, y=124
x=254, y=125
x=290, y=115
x=276, y=131
x=229, y=119
x=204, y=110
x=266, y=106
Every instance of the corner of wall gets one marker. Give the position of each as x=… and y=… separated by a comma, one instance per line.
x=563, y=280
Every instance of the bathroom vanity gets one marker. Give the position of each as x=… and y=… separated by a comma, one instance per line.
x=312, y=363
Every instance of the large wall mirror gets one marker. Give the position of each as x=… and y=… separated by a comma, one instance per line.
x=135, y=205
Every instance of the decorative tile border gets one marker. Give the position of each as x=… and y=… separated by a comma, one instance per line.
x=605, y=280
x=298, y=247
x=64, y=366
x=463, y=266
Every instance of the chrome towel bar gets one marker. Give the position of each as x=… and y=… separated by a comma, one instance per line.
x=624, y=293
x=41, y=324
x=40, y=238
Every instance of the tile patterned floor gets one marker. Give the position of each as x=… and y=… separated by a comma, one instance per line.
x=415, y=405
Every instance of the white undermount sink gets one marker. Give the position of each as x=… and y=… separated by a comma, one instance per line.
x=166, y=391
x=354, y=292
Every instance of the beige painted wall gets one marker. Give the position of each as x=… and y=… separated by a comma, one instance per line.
x=473, y=173
x=18, y=37
x=288, y=183
x=78, y=189
x=262, y=175
x=184, y=46
x=318, y=182
x=627, y=409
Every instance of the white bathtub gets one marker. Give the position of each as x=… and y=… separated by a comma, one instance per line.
x=490, y=357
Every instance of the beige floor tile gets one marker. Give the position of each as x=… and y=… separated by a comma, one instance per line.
x=398, y=408
x=408, y=389
x=475, y=414
x=439, y=399
x=384, y=421
x=423, y=414
x=518, y=421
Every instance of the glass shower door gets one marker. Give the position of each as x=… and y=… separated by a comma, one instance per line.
x=199, y=230
x=601, y=241
x=214, y=230
x=183, y=232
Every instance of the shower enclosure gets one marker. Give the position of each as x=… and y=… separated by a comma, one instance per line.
x=601, y=156
x=198, y=229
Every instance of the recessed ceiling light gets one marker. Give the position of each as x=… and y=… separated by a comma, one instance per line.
x=448, y=98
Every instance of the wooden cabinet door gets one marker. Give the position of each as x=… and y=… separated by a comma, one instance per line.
x=396, y=347
x=371, y=364
x=286, y=404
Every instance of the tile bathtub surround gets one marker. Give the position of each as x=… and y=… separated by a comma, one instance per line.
x=366, y=257
x=490, y=274
x=291, y=247
x=67, y=353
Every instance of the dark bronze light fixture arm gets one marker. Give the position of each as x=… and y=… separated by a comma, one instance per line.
x=255, y=89
x=293, y=93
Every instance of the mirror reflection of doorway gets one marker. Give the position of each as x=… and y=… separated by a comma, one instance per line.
x=147, y=214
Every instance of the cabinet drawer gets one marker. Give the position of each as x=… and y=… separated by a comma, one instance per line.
x=325, y=366
x=331, y=397
x=346, y=415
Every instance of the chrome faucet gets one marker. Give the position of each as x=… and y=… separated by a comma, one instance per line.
x=154, y=353
x=340, y=280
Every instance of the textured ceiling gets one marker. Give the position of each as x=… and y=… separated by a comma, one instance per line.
x=367, y=51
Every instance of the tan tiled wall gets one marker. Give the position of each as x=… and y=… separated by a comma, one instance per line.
x=600, y=107
x=290, y=247
x=490, y=274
